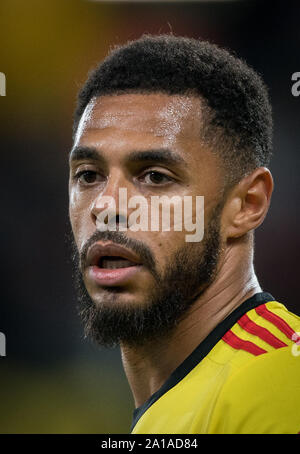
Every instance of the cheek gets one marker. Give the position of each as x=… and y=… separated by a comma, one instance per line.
x=73, y=210
x=79, y=217
x=164, y=245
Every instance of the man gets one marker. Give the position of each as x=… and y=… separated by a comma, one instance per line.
x=204, y=348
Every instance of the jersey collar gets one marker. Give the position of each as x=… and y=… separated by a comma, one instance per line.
x=202, y=350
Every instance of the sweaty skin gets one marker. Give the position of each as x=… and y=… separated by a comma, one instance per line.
x=118, y=125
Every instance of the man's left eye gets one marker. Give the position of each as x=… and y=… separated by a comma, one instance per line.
x=156, y=178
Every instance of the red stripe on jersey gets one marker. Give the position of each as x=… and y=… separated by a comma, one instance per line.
x=251, y=327
x=278, y=322
x=241, y=344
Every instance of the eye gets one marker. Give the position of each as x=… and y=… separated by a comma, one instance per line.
x=87, y=177
x=154, y=177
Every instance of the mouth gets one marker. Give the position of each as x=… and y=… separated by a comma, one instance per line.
x=111, y=264
x=114, y=263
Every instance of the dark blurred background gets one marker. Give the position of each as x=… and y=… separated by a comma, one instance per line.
x=52, y=380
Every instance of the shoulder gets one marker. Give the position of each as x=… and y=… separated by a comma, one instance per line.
x=263, y=396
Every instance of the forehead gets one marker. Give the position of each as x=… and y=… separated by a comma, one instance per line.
x=158, y=115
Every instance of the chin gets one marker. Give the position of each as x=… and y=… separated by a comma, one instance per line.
x=114, y=295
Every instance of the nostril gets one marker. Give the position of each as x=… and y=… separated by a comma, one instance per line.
x=94, y=217
x=120, y=219
x=111, y=220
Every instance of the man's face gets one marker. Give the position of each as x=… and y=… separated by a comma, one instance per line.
x=135, y=285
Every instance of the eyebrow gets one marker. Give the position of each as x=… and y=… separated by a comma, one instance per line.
x=80, y=152
x=161, y=155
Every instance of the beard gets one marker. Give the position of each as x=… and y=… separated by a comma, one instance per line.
x=188, y=273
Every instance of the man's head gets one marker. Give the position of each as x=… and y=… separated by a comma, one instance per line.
x=164, y=116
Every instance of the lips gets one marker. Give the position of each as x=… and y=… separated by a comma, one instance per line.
x=111, y=264
x=99, y=254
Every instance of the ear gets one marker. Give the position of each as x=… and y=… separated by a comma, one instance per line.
x=248, y=203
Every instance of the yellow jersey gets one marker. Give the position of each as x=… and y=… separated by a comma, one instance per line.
x=244, y=378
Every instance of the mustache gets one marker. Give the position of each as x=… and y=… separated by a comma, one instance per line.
x=138, y=247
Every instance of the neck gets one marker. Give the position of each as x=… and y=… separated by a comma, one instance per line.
x=149, y=366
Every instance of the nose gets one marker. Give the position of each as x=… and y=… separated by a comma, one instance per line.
x=109, y=208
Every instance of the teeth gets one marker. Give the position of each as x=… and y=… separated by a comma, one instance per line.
x=115, y=263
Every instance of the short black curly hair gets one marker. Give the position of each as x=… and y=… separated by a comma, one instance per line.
x=236, y=103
